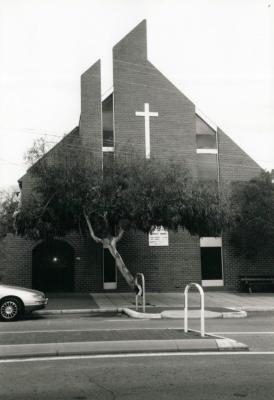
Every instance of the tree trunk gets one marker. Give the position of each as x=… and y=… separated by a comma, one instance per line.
x=110, y=244
x=121, y=265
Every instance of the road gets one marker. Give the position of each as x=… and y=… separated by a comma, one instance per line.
x=193, y=376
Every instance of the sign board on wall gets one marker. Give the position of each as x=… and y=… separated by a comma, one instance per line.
x=158, y=237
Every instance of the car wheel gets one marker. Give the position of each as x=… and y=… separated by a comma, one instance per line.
x=10, y=309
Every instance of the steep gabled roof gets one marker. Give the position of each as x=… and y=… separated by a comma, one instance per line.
x=68, y=139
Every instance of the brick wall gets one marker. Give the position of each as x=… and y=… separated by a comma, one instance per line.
x=88, y=272
x=16, y=262
x=136, y=81
x=236, y=265
x=166, y=268
x=91, y=111
x=236, y=165
x=16, y=265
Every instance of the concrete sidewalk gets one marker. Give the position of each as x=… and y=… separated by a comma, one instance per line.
x=218, y=304
x=220, y=299
x=70, y=301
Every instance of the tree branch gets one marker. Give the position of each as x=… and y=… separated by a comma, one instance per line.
x=116, y=239
x=105, y=217
x=119, y=236
x=91, y=231
x=47, y=203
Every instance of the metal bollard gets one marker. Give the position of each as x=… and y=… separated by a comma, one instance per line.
x=202, y=307
x=139, y=274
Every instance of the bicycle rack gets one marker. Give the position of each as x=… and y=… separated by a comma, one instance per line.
x=139, y=274
x=202, y=307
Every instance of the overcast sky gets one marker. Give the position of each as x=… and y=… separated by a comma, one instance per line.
x=218, y=52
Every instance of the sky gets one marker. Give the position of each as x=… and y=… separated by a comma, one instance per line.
x=219, y=53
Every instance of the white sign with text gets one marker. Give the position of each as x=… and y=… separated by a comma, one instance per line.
x=158, y=237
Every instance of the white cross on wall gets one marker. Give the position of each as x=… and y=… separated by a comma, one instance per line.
x=147, y=115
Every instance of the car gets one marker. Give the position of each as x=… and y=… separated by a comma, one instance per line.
x=16, y=301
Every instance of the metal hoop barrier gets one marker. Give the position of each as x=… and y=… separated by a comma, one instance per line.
x=202, y=307
x=143, y=294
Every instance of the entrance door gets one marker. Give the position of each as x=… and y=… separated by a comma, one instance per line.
x=211, y=261
x=110, y=272
x=52, y=267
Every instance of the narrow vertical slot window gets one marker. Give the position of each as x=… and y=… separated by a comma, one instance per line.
x=107, y=115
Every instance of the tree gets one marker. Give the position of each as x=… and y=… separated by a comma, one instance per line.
x=9, y=202
x=252, y=216
x=38, y=149
x=72, y=193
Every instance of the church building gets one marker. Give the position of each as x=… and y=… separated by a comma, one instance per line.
x=146, y=111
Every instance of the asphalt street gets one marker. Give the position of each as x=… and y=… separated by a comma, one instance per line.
x=257, y=330
x=193, y=376
x=188, y=376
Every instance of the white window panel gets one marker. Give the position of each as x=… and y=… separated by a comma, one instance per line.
x=108, y=149
x=212, y=283
x=207, y=151
x=210, y=242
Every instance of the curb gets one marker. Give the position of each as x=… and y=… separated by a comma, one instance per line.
x=119, y=347
x=139, y=315
x=234, y=314
x=78, y=311
x=254, y=308
x=169, y=315
x=230, y=345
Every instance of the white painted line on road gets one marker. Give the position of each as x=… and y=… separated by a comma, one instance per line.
x=131, y=328
x=134, y=355
x=241, y=333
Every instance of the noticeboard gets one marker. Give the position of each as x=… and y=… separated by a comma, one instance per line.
x=158, y=237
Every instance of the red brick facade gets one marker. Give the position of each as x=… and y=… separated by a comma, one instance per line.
x=173, y=134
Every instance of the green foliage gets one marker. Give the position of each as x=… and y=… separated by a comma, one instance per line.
x=36, y=151
x=8, y=205
x=133, y=193
x=252, y=208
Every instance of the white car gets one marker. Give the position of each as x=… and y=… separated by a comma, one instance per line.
x=15, y=301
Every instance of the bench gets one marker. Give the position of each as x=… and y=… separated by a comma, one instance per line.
x=250, y=281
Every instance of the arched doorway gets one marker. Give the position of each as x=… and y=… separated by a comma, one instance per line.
x=52, y=267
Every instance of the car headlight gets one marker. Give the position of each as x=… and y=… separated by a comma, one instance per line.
x=39, y=297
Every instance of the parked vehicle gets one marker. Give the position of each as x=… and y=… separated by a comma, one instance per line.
x=16, y=301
